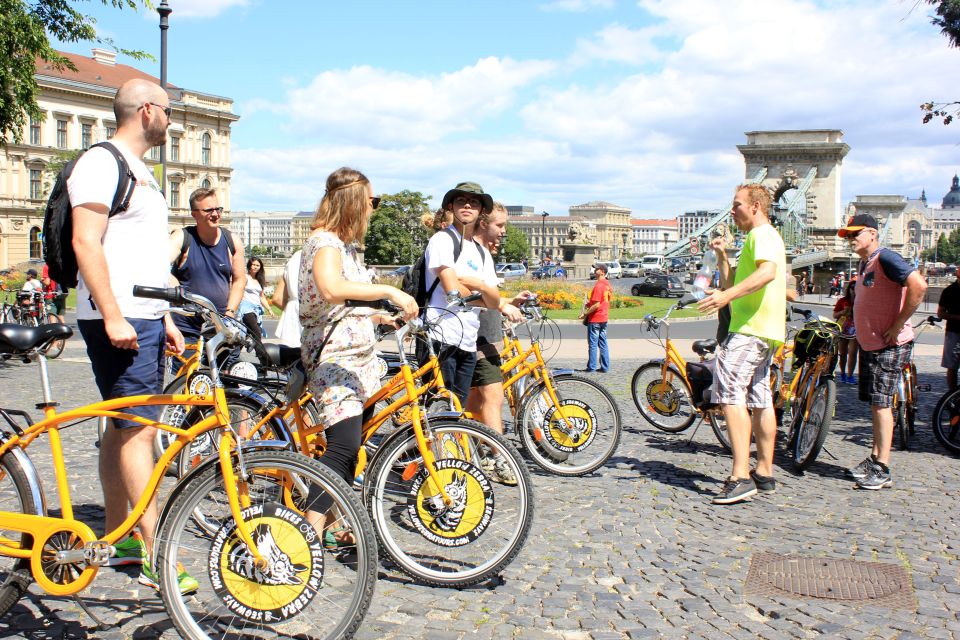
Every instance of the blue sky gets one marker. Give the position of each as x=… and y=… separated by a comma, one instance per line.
x=557, y=102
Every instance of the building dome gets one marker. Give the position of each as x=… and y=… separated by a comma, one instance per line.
x=952, y=199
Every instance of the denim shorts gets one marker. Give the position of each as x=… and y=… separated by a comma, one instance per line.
x=127, y=372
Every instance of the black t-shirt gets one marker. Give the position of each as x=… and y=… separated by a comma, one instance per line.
x=950, y=301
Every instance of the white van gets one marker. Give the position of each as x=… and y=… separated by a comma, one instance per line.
x=652, y=263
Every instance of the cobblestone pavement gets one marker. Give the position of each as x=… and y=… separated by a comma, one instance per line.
x=635, y=550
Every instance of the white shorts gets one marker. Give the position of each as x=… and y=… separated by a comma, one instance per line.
x=742, y=376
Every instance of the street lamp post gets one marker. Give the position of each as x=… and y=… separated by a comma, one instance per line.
x=543, y=236
x=164, y=10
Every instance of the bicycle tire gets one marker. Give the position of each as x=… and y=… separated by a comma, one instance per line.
x=719, y=425
x=55, y=347
x=597, y=423
x=665, y=404
x=945, y=421
x=449, y=547
x=776, y=384
x=812, y=431
x=226, y=571
x=901, y=430
x=16, y=497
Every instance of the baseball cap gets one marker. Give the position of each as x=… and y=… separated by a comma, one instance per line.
x=858, y=222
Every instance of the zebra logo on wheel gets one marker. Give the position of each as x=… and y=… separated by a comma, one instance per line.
x=466, y=518
x=292, y=577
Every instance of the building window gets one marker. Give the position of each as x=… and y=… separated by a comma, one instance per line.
x=205, y=184
x=205, y=150
x=174, y=195
x=111, y=131
x=36, y=251
x=61, y=134
x=174, y=149
x=34, y=132
x=86, y=136
x=154, y=153
x=36, y=187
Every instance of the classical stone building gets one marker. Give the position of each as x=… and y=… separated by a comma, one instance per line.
x=611, y=225
x=608, y=224
x=79, y=113
x=276, y=231
x=545, y=233
x=653, y=236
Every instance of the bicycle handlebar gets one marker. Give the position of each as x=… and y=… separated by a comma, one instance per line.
x=173, y=295
x=384, y=305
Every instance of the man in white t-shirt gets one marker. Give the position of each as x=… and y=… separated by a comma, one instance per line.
x=466, y=270
x=126, y=336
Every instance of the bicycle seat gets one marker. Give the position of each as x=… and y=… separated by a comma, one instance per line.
x=280, y=355
x=703, y=347
x=16, y=338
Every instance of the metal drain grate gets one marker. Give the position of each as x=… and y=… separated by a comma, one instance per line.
x=772, y=574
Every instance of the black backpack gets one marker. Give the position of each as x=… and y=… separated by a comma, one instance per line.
x=414, y=280
x=58, y=218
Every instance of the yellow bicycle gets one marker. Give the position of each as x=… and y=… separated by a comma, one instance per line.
x=262, y=573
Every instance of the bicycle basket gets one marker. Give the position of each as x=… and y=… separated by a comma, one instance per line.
x=812, y=339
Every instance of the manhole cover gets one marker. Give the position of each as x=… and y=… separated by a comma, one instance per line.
x=830, y=579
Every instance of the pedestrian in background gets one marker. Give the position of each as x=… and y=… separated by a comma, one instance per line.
x=596, y=316
x=254, y=302
x=848, y=348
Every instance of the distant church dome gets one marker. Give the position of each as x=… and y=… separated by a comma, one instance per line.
x=952, y=199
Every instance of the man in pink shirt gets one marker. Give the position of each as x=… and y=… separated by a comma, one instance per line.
x=888, y=291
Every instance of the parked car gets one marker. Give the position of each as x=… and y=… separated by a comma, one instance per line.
x=631, y=269
x=660, y=285
x=614, y=270
x=549, y=271
x=511, y=270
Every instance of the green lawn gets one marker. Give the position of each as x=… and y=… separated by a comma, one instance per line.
x=656, y=306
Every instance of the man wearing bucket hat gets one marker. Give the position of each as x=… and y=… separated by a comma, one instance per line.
x=456, y=263
x=888, y=291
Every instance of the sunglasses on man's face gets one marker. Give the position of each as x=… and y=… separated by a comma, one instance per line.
x=210, y=210
x=166, y=110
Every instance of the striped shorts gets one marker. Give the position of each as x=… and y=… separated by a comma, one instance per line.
x=880, y=372
x=742, y=376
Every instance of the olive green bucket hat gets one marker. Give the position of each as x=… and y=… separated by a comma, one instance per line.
x=468, y=189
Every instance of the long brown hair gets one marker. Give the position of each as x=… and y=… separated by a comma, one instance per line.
x=343, y=209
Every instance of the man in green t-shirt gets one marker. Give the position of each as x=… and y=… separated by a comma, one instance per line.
x=757, y=299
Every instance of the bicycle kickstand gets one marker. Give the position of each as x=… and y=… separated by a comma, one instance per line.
x=827, y=451
x=101, y=625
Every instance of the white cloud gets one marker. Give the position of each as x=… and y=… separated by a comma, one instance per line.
x=367, y=105
x=618, y=43
x=202, y=8
x=660, y=139
x=576, y=6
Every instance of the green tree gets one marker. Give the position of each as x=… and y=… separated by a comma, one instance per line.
x=24, y=29
x=947, y=17
x=396, y=235
x=515, y=246
x=55, y=166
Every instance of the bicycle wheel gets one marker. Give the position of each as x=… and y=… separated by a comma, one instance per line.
x=664, y=401
x=306, y=591
x=54, y=348
x=466, y=542
x=585, y=427
x=776, y=384
x=946, y=421
x=812, y=431
x=719, y=425
x=15, y=497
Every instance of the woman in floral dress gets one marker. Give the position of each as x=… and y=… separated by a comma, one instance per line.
x=339, y=357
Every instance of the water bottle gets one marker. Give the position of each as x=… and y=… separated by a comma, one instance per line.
x=701, y=282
